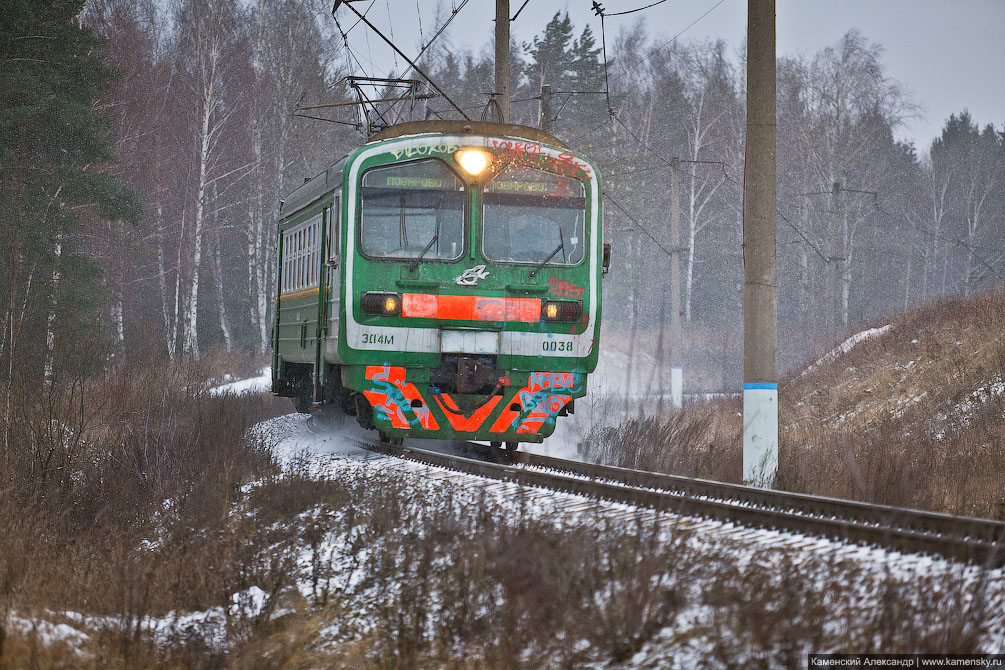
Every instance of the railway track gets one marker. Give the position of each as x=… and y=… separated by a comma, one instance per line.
x=972, y=540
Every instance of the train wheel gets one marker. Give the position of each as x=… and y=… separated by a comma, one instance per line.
x=303, y=403
x=512, y=446
x=496, y=445
x=348, y=403
x=392, y=440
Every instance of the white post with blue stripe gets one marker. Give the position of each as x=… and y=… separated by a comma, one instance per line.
x=677, y=386
x=760, y=433
x=760, y=269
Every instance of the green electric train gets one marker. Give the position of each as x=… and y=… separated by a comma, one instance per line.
x=443, y=281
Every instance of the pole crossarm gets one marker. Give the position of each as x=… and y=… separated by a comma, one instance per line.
x=423, y=96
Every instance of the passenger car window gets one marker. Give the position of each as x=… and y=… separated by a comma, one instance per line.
x=529, y=215
x=408, y=207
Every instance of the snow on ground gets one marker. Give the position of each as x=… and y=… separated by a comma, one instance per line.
x=46, y=632
x=259, y=384
x=327, y=447
x=847, y=346
x=961, y=414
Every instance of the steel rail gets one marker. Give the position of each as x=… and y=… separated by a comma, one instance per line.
x=987, y=530
x=977, y=541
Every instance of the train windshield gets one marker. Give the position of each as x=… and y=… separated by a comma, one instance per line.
x=412, y=210
x=531, y=216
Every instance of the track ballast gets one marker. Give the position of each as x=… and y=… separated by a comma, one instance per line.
x=973, y=540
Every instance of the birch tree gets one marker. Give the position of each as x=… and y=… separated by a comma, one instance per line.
x=137, y=103
x=850, y=107
x=209, y=56
x=291, y=58
x=712, y=93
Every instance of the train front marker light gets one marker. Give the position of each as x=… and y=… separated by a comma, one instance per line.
x=473, y=161
x=561, y=310
x=385, y=304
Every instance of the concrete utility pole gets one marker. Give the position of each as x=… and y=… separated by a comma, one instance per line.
x=676, y=336
x=545, y=121
x=760, y=288
x=832, y=261
x=502, y=58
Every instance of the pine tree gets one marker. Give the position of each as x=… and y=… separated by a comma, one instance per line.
x=587, y=74
x=551, y=56
x=53, y=147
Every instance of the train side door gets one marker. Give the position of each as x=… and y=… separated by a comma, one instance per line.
x=332, y=279
x=321, y=325
x=327, y=343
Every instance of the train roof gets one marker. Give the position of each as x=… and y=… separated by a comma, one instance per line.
x=313, y=188
x=467, y=128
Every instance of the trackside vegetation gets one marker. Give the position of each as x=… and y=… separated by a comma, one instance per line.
x=914, y=417
x=173, y=539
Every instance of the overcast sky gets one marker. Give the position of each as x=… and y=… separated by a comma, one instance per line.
x=946, y=54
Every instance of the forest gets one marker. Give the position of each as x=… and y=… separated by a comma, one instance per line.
x=147, y=147
x=150, y=519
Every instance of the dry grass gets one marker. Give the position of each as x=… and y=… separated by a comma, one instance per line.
x=101, y=467
x=903, y=419
x=447, y=585
x=127, y=499
x=420, y=579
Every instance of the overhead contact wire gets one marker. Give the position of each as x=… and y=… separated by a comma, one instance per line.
x=637, y=9
x=607, y=196
x=672, y=39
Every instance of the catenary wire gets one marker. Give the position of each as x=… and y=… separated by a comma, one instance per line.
x=390, y=28
x=637, y=9
x=365, y=12
x=610, y=199
x=418, y=16
x=670, y=41
x=437, y=34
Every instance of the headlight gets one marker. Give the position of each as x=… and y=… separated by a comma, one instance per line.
x=561, y=310
x=387, y=304
x=473, y=161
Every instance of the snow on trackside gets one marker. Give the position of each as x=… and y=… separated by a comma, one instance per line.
x=208, y=625
x=47, y=633
x=325, y=448
x=962, y=412
x=259, y=384
x=328, y=447
x=847, y=346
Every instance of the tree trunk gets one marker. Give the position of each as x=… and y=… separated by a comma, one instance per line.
x=676, y=331
x=832, y=261
x=221, y=300
x=120, y=325
x=945, y=265
x=50, y=319
x=256, y=286
x=846, y=268
x=190, y=343
x=691, y=234
x=191, y=340
x=12, y=342
x=267, y=268
x=634, y=329
x=910, y=263
x=170, y=324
